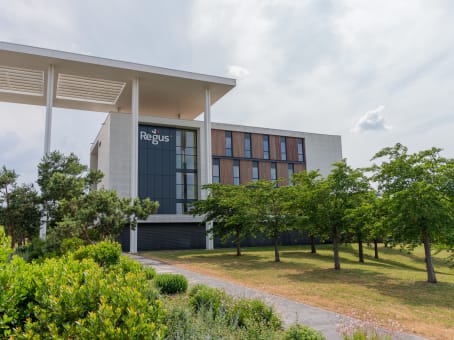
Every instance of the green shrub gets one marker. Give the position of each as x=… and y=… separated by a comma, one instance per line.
x=171, y=283
x=64, y=298
x=301, y=332
x=70, y=245
x=37, y=250
x=362, y=334
x=5, y=250
x=202, y=297
x=105, y=253
x=150, y=273
x=127, y=265
x=245, y=312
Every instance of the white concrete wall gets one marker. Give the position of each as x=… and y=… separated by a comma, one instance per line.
x=120, y=153
x=102, y=153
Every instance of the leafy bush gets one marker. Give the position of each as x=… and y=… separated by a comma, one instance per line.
x=150, y=273
x=127, y=265
x=70, y=245
x=300, y=332
x=5, y=250
x=202, y=297
x=245, y=312
x=105, y=253
x=171, y=283
x=65, y=298
x=362, y=334
x=37, y=249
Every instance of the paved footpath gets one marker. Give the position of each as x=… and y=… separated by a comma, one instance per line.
x=290, y=311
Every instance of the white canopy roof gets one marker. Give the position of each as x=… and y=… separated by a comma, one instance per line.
x=99, y=84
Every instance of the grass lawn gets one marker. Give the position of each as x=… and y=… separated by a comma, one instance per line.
x=391, y=291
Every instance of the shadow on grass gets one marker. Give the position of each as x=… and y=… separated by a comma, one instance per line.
x=411, y=293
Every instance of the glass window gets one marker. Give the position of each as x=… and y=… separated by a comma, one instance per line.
x=300, y=150
x=247, y=145
x=216, y=172
x=283, y=149
x=186, y=174
x=255, y=171
x=273, y=172
x=266, y=147
x=236, y=172
x=290, y=173
x=228, y=143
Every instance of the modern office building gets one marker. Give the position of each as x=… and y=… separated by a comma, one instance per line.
x=172, y=167
x=151, y=144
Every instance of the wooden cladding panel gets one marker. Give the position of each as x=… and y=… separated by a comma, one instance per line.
x=245, y=171
x=218, y=142
x=265, y=170
x=282, y=172
x=275, y=148
x=226, y=171
x=292, y=149
x=257, y=145
x=238, y=144
x=299, y=167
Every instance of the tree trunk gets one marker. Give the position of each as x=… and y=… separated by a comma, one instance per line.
x=337, y=265
x=238, y=249
x=313, y=250
x=277, y=257
x=376, y=248
x=360, y=249
x=431, y=278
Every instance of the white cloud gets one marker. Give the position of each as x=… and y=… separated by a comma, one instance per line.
x=236, y=71
x=371, y=121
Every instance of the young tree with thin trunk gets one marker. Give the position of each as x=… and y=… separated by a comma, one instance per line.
x=229, y=208
x=417, y=192
x=336, y=195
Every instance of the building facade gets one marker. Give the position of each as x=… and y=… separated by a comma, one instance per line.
x=172, y=168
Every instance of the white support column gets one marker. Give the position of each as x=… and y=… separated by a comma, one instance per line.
x=208, y=158
x=134, y=156
x=48, y=131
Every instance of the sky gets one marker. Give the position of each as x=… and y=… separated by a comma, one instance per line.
x=376, y=72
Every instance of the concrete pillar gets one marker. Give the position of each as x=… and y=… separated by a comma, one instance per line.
x=208, y=158
x=134, y=157
x=48, y=130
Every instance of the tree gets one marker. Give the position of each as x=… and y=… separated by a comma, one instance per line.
x=19, y=208
x=417, y=197
x=306, y=204
x=335, y=195
x=272, y=210
x=101, y=214
x=62, y=177
x=228, y=206
x=361, y=220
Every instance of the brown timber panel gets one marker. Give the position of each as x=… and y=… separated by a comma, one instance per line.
x=265, y=170
x=238, y=144
x=282, y=172
x=292, y=149
x=299, y=167
x=245, y=171
x=218, y=142
x=275, y=150
x=257, y=145
x=226, y=171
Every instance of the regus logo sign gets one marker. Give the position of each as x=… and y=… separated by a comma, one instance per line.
x=154, y=137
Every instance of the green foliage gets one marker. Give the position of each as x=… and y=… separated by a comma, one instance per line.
x=228, y=206
x=37, y=249
x=417, y=191
x=202, y=297
x=19, y=208
x=128, y=265
x=65, y=298
x=150, y=272
x=244, y=312
x=171, y=283
x=70, y=245
x=360, y=334
x=272, y=210
x=104, y=253
x=5, y=250
x=300, y=332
